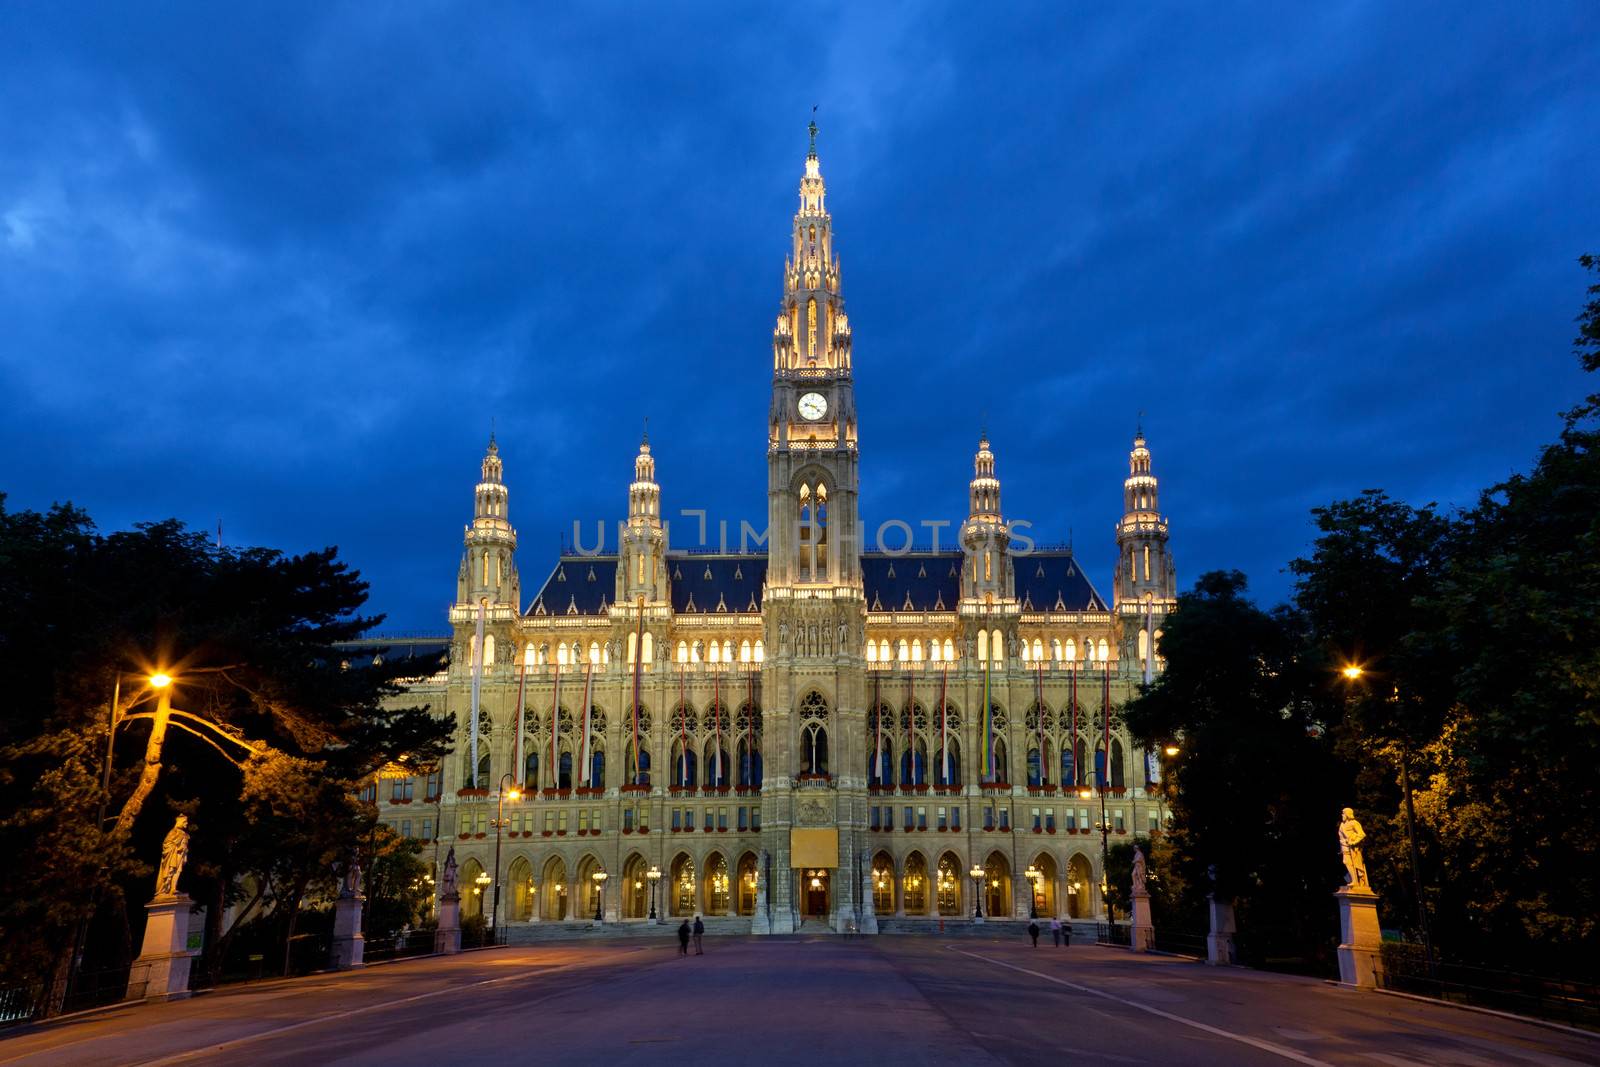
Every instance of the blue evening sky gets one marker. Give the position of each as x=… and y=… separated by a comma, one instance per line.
x=280, y=266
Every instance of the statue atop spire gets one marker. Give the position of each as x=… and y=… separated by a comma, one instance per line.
x=813, y=128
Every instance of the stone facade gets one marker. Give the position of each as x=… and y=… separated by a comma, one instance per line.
x=816, y=741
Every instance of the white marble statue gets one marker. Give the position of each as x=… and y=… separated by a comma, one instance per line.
x=1350, y=837
x=174, y=854
x=352, y=878
x=447, y=882
x=1138, y=870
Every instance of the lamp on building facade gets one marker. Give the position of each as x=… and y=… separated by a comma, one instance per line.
x=654, y=875
x=1034, y=876
x=599, y=877
x=976, y=874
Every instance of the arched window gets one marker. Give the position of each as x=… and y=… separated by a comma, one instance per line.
x=760, y=651
x=983, y=646
x=564, y=774
x=696, y=652
x=1119, y=768
x=1038, y=650
x=530, y=764
x=997, y=646
x=649, y=648
x=1144, y=646
x=811, y=328
x=1105, y=651
x=914, y=765
x=488, y=650
x=1100, y=766
x=951, y=878
x=529, y=654
x=1071, y=650
x=915, y=888
x=904, y=652
x=872, y=652
x=633, y=647
x=684, y=769
x=749, y=763
x=947, y=764
x=1027, y=655
x=880, y=761
x=638, y=769
x=714, y=653
x=717, y=765
x=933, y=650
x=813, y=734
x=916, y=651
x=1001, y=767
x=683, y=652
x=485, y=772
x=561, y=654
x=596, y=654
x=949, y=649
x=744, y=651
x=597, y=768
x=727, y=651
x=883, y=650
x=1035, y=768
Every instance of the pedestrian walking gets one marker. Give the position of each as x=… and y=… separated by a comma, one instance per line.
x=683, y=938
x=699, y=937
x=1055, y=931
x=1033, y=932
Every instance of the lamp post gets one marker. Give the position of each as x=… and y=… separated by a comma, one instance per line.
x=1033, y=874
x=482, y=881
x=499, y=830
x=599, y=877
x=1352, y=674
x=976, y=874
x=654, y=875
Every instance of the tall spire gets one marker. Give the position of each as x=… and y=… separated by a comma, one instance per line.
x=488, y=568
x=984, y=489
x=812, y=330
x=644, y=495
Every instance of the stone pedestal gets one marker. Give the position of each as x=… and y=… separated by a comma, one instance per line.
x=162, y=970
x=447, y=938
x=1142, y=935
x=1220, y=948
x=869, y=913
x=761, y=923
x=349, y=946
x=1360, y=961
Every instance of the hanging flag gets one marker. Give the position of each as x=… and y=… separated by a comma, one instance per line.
x=716, y=725
x=1038, y=701
x=911, y=731
x=555, y=715
x=683, y=732
x=585, y=757
x=1149, y=644
x=1105, y=722
x=1076, y=772
x=877, y=718
x=638, y=665
x=986, y=749
x=944, y=723
x=522, y=686
x=750, y=740
x=477, y=688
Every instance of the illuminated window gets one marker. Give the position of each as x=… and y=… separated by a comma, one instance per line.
x=1147, y=563
x=488, y=651
x=1038, y=649
x=744, y=651
x=1026, y=654
x=811, y=329
x=983, y=646
x=649, y=649
x=1071, y=650
x=872, y=652
x=949, y=649
x=883, y=650
x=1105, y=650
x=727, y=651
x=903, y=650
x=561, y=655
x=714, y=653
x=760, y=650
x=997, y=648
x=633, y=647
x=1055, y=649
x=683, y=652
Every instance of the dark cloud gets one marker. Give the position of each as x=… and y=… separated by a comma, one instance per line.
x=281, y=266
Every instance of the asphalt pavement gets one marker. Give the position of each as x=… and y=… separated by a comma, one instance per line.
x=803, y=1000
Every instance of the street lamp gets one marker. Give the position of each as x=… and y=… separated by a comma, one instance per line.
x=654, y=874
x=482, y=880
x=501, y=794
x=1352, y=673
x=976, y=874
x=1033, y=875
x=599, y=877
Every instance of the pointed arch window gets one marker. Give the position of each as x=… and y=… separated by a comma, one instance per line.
x=1104, y=650
x=649, y=648
x=997, y=648
x=683, y=652
x=760, y=651
x=811, y=330
x=949, y=649
x=903, y=650
x=983, y=646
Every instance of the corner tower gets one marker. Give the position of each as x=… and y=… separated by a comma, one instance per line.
x=488, y=572
x=1145, y=586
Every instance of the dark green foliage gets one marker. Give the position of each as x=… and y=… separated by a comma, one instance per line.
x=256, y=640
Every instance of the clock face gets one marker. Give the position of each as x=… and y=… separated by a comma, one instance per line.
x=813, y=406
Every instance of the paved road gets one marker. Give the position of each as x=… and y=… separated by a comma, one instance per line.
x=887, y=1000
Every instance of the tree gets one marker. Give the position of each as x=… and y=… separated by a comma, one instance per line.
x=269, y=693
x=1254, y=791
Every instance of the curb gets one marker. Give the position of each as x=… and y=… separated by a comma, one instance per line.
x=1548, y=1024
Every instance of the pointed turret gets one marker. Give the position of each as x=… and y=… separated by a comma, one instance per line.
x=642, y=572
x=987, y=577
x=488, y=567
x=1146, y=582
x=812, y=328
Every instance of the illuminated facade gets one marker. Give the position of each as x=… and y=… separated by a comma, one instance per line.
x=812, y=733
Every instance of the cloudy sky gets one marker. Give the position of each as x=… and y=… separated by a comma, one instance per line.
x=283, y=267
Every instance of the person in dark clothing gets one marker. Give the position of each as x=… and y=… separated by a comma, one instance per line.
x=1033, y=932
x=683, y=938
x=699, y=937
x=1055, y=931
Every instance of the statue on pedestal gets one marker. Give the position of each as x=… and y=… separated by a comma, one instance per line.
x=1138, y=870
x=174, y=854
x=447, y=880
x=352, y=878
x=1350, y=837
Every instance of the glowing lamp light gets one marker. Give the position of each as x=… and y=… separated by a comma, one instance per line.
x=514, y=794
x=1352, y=672
x=160, y=680
x=1171, y=750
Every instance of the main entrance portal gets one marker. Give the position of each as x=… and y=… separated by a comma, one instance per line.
x=814, y=893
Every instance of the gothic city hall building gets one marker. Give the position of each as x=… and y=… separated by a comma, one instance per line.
x=817, y=733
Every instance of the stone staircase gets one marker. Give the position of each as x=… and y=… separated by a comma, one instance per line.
x=588, y=930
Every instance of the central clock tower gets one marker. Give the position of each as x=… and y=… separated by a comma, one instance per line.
x=813, y=681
